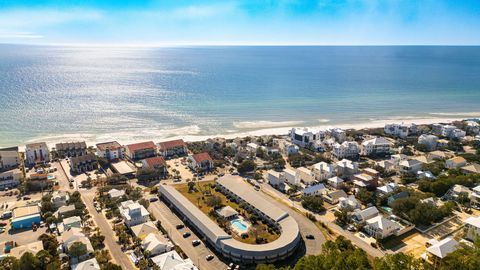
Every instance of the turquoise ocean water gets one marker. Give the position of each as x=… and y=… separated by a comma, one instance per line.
x=99, y=93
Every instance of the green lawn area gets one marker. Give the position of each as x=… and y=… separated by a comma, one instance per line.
x=204, y=190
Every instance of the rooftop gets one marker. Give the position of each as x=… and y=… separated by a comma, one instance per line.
x=122, y=167
x=202, y=157
x=171, y=144
x=114, y=145
x=442, y=248
x=141, y=146
x=26, y=211
x=155, y=162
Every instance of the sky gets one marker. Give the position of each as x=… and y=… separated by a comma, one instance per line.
x=249, y=22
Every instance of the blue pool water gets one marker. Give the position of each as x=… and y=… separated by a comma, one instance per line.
x=239, y=225
x=387, y=209
x=50, y=177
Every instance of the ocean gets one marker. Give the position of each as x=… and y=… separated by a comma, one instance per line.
x=64, y=93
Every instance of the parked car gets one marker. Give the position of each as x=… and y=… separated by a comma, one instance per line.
x=186, y=235
x=309, y=236
x=26, y=198
x=209, y=257
x=179, y=226
x=3, y=224
x=196, y=242
x=153, y=199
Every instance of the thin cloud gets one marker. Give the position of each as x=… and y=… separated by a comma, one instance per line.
x=19, y=35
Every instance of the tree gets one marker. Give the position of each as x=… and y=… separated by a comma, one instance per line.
x=9, y=263
x=400, y=261
x=97, y=240
x=111, y=266
x=77, y=249
x=313, y=203
x=145, y=203
x=50, y=243
x=191, y=186
x=29, y=262
x=214, y=201
x=246, y=166
x=143, y=264
x=102, y=256
x=464, y=258
x=44, y=258
x=342, y=216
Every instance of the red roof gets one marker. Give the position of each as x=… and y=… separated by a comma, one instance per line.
x=140, y=146
x=202, y=157
x=171, y=144
x=155, y=162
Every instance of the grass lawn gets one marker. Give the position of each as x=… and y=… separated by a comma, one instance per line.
x=200, y=200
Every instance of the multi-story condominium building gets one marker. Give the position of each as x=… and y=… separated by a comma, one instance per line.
x=85, y=163
x=400, y=130
x=133, y=213
x=155, y=163
x=305, y=136
x=323, y=170
x=71, y=149
x=200, y=161
x=172, y=148
x=346, y=150
x=37, y=153
x=10, y=179
x=339, y=134
x=449, y=131
x=140, y=150
x=110, y=150
x=430, y=141
x=9, y=158
x=376, y=146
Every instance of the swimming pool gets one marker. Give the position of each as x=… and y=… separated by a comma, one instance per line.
x=387, y=209
x=50, y=177
x=239, y=224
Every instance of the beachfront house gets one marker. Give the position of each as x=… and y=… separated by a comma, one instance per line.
x=141, y=150
x=323, y=170
x=71, y=149
x=376, y=146
x=339, y=134
x=85, y=163
x=304, y=137
x=110, y=150
x=172, y=148
x=10, y=179
x=9, y=158
x=37, y=153
x=400, y=130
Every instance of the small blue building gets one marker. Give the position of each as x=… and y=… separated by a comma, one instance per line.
x=25, y=217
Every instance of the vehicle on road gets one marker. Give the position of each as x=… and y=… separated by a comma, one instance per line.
x=26, y=198
x=209, y=257
x=186, y=235
x=3, y=224
x=196, y=242
x=309, y=236
x=179, y=226
x=153, y=199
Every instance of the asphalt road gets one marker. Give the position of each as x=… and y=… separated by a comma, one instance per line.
x=197, y=254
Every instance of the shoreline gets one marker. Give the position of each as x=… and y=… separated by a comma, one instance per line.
x=277, y=131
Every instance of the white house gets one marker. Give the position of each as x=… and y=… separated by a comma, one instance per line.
x=173, y=261
x=400, y=130
x=348, y=203
x=348, y=149
x=315, y=190
x=452, y=132
x=156, y=244
x=473, y=127
x=410, y=166
x=9, y=158
x=346, y=168
x=361, y=216
x=305, y=136
x=287, y=147
x=275, y=178
x=72, y=222
x=472, y=228
x=304, y=175
x=75, y=235
x=339, y=134
x=425, y=174
x=200, y=161
x=133, y=213
x=323, y=170
x=430, y=141
x=335, y=182
x=252, y=147
x=387, y=189
x=115, y=193
x=60, y=198
x=291, y=176
x=375, y=146
x=380, y=227
x=110, y=150
x=36, y=153
x=440, y=249
x=333, y=197
x=91, y=264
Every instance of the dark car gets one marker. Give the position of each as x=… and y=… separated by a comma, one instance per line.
x=186, y=235
x=309, y=236
x=196, y=242
x=209, y=257
x=153, y=199
x=179, y=226
x=26, y=198
x=2, y=224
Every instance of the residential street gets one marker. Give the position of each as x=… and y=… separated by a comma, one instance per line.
x=197, y=254
x=267, y=189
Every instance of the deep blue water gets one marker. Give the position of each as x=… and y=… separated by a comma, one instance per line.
x=55, y=93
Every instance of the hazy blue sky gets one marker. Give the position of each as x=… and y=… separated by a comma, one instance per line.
x=241, y=22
